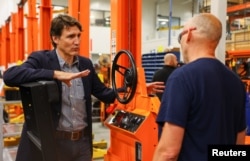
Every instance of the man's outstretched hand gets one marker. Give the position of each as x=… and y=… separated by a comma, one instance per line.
x=66, y=77
x=155, y=87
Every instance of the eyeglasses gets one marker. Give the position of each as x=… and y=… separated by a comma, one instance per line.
x=185, y=32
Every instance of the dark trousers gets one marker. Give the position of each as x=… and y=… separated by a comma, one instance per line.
x=79, y=150
x=67, y=150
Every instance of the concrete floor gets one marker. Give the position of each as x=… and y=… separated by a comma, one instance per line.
x=99, y=130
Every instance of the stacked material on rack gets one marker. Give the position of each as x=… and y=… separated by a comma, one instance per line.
x=11, y=93
x=11, y=134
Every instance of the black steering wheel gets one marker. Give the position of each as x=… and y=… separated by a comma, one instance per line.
x=127, y=91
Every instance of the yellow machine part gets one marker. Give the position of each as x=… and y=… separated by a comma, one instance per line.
x=18, y=119
x=98, y=153
x=100, y=144
x=11, y=141
x=99, y=148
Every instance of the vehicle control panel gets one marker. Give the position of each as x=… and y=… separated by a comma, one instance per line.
x=126, y=120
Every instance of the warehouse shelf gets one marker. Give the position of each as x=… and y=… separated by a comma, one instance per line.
x=238, y=8
x=239, y=53
x=11, y=131
x=237, y=45
x=151, y=62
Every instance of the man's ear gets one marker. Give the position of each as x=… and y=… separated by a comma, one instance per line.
x=55, y=39
x=189, y=35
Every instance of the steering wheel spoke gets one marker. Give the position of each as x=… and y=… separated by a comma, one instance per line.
x=118, y=68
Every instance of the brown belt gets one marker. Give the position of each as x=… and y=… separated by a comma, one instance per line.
x=74, y=135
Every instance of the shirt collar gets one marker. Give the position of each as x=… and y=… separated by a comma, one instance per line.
x=62, y=62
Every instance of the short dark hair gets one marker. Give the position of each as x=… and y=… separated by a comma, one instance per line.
x=59, y=22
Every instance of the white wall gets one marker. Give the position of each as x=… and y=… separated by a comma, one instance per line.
x=148, y=19
x=100, y=38
x=6, y=8
x=152, y=39
x=100, y=5
x=182, y=9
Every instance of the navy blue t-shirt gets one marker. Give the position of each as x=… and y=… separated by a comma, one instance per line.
x=208, y=101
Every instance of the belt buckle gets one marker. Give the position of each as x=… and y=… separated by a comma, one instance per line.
x=75, y=136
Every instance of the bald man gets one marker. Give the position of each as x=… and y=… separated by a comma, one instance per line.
x=204, y=102
x=161, y=75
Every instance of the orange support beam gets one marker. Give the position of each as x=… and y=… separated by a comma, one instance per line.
x=7, y=43
x=135, y=9
x=4, y=47
x=17, y=36
x=12, y=47
x=126, y=30
x=80, y=10
x=239, y=53
x=1, y=46
x=119, y=26
x=32, y=28
x=74, y=8
x=126, y=27
x=13, y=38
x=20, y=51
x=239, y=7
x=45, y=18
x=119, y=32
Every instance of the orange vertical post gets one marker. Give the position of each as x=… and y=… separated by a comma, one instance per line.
x=135, y=28
x=20, y=33
x=13, y=38
x=80, y=10
x=7, y=49
x=126, y=30
x=1, y=63
x=3, y=46
x=32, y=27
x=119, y=32
x=126, y=27
x=73, y=9
x=12, y=47
x=45, y=18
